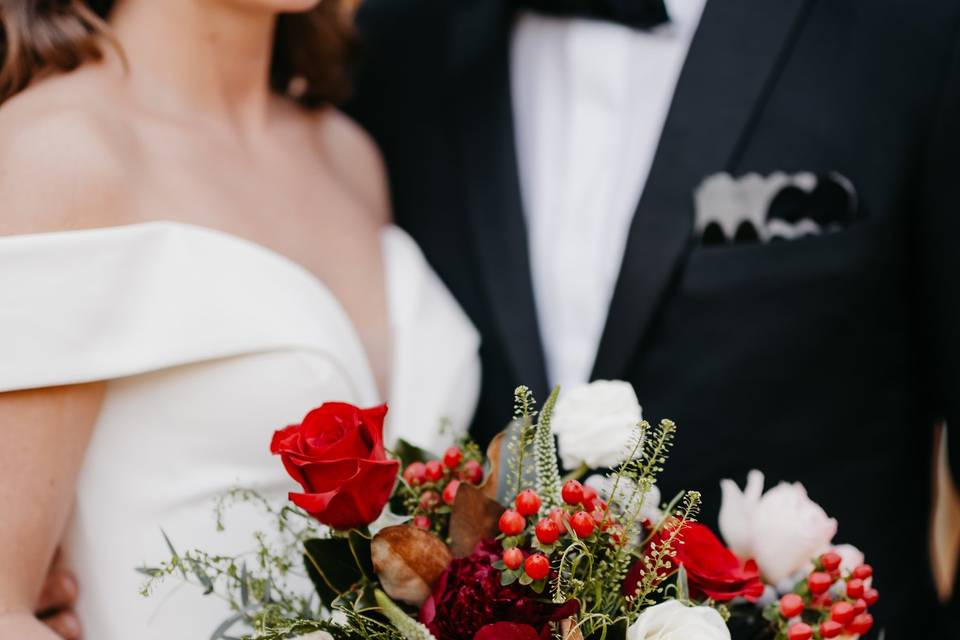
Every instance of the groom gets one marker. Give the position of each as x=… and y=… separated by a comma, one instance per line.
x=557, y=160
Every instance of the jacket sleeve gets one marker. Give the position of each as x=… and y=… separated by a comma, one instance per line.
x=938, y=257
x=938, y=264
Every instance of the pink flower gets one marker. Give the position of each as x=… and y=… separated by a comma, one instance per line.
x=781, y=529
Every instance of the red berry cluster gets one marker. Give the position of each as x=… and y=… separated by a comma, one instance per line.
x=847, y=615
x=581, y=515
x=433, y=485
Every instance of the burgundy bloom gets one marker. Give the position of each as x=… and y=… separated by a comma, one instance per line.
x=468, y=597
x=507, y=631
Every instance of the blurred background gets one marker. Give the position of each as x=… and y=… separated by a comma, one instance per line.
x=946, y=523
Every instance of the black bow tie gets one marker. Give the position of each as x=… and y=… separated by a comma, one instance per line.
x=640, y=14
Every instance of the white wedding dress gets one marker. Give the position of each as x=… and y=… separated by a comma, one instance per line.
x=209, y=343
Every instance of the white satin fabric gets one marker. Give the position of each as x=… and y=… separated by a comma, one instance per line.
x=209, y=343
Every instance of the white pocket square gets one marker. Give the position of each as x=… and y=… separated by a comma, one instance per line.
x=755, y=208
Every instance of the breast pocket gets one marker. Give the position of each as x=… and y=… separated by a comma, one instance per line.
x=841, y=258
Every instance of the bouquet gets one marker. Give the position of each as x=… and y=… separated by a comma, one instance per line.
x=403, y=545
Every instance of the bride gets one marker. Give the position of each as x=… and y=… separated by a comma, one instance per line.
x=195, y=249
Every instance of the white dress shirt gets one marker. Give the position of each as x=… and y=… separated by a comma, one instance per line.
x=589, y=100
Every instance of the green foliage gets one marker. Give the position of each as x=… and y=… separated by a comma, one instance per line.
x=257, y=586
x=545, y=447
x=593, y=570
x=407, y=453
x=409, y=628
x=658, y=562
x=338, y=565
x=524, y=411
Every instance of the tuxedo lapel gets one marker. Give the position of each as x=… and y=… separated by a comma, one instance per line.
x=483, y=126
x=733, y=59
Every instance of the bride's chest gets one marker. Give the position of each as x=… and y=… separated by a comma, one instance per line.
x=301, y=214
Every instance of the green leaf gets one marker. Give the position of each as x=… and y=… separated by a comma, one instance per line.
x=173, y=552
x=508, y=577
x=337, y=564
x=407, y=453
x=226, y=625
x=244, y=587
x=526, y=580
x=771, y=612
x=409, y=628
x=538, y=586
x=151, y=572
x=201, y=576
x=683, y=590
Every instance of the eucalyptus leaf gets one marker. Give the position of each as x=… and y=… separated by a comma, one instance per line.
x=226, y=625
x=244, y=586
x=202, y=577
x=173, y=552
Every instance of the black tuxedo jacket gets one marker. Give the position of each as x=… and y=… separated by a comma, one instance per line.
x=825, y=360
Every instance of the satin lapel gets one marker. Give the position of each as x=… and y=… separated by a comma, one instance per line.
x=483, y=124
x=734, y=58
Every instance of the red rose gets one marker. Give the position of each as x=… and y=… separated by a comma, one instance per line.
x=336, y=454
x=713, y=571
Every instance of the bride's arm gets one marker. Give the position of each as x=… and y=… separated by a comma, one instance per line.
x=45, y=434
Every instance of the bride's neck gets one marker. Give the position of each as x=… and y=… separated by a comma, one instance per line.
x=199, y=58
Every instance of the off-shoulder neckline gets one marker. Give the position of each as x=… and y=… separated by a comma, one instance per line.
x=236, y=239
x=276, y=257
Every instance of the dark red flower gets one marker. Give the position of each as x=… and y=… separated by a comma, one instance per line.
x=336, y=454
x=713, y=571
x=507, y=631
x=468, y=597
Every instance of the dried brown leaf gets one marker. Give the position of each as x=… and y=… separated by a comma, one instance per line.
x=408, y=561
x=474, y=518
x=491, y=485
x=569, y=630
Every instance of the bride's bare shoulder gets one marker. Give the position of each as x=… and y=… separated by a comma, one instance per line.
x=65, y=158
x=357, y=161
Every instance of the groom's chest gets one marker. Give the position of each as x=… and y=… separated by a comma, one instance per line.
x=553, y=146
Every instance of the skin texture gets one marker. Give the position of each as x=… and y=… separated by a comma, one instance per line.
x=189, y=133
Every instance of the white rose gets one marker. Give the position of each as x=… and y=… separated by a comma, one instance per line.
x=781, y=529
x=595, y=422
x=672, y=620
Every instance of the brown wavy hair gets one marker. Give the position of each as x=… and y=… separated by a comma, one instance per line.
x=311, y=55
